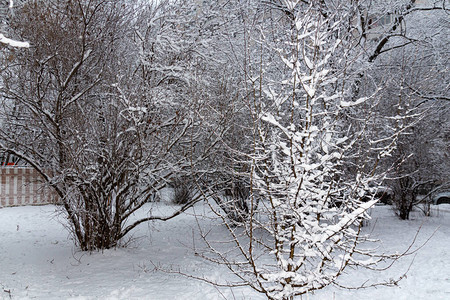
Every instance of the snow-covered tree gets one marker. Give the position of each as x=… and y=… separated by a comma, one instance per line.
x=308, y=198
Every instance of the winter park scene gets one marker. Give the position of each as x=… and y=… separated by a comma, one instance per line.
x=225, y=149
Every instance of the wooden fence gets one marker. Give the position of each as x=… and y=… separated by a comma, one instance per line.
x=23, y=186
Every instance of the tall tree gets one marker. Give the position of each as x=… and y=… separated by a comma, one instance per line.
x=313, y=157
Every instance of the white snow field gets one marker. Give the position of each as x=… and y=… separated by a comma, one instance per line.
x=38, y=260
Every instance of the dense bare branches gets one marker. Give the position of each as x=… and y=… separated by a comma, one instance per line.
x=104, y=137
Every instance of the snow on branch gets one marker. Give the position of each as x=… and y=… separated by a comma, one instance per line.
x=13, y=43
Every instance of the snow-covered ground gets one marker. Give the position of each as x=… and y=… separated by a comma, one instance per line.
x=38, y=260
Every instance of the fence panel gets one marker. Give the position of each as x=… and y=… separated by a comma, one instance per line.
x=23, y=186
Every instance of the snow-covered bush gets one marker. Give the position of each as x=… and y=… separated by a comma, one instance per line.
x=104, y=136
